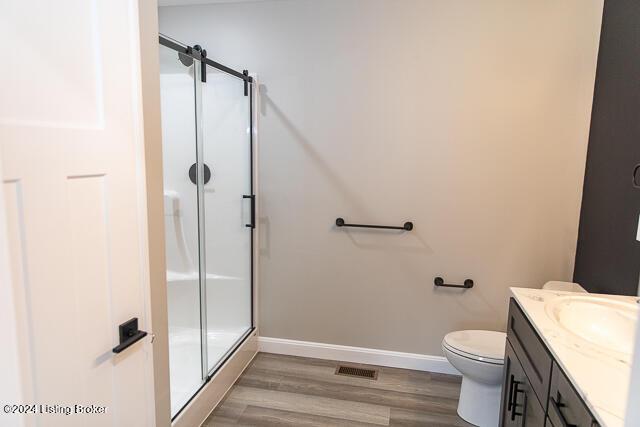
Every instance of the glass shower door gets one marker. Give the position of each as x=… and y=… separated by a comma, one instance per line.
x=226, y=145
x=179, y=91
x=209, y=214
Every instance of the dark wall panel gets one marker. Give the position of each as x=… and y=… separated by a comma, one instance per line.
x=608, y=256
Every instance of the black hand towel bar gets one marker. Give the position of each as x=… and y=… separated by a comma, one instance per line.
x=439, y=281
x=408, y=226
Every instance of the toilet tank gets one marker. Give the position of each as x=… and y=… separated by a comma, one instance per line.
x=563, y=286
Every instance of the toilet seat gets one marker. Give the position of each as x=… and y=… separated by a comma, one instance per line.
x=482, y=346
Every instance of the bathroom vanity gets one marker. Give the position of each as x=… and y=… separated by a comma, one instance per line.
x=567, y=359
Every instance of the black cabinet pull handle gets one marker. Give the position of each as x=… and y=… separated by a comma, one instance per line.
x=407, y=226
x=512, y=382
x=253, y=210
x=129, y=335
x=524, y=411
x=439, y=281
x=514, y=403
x=556, y=405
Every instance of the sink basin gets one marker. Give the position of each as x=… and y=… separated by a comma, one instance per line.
x=605, y=323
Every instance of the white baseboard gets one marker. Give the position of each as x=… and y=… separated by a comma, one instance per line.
x=370, y=356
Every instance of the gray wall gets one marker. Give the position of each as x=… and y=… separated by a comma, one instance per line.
x=468, y=118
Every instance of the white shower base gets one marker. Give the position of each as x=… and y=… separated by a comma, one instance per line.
x=228, y=319
x=185, y=359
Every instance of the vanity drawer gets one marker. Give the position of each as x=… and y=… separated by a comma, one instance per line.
x=565, y=405
x=530, y=350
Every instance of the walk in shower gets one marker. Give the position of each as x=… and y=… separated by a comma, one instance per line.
x=209, y=212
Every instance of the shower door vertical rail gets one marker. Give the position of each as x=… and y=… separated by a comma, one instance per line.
x=253, y=195
x=202, y=246
x=180, y=128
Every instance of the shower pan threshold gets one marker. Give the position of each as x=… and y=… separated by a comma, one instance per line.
x=184, y=343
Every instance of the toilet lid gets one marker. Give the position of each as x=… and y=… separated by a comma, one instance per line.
x=479, y=345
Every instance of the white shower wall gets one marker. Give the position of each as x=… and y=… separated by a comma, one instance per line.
x=224, y=125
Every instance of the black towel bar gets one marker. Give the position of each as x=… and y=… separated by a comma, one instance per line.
x=408, y=226
x=439, y=281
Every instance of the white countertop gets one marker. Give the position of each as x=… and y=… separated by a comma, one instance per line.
x=601, y=379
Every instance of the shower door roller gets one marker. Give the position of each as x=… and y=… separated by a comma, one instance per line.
x=129, y=335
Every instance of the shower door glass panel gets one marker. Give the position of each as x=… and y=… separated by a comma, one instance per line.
x=227, y=153
x=179, y=136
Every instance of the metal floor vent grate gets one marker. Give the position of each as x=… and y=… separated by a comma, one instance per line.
x=352, y=371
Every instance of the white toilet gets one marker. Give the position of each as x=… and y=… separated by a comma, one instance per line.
x=479, y=356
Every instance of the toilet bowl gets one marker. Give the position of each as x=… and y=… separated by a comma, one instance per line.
x=479, y=356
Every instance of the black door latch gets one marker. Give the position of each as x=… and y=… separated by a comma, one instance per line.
x=129, y=335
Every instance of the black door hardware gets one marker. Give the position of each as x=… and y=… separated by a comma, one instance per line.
x=636, y=176
x=129, y=335
x=186, y=60
x=203, y=64
x=201, y=55
x=514, y=403
x=193, y=173
x=439, y=281
x=408, y=226
x=512, y=382
x=253, y=210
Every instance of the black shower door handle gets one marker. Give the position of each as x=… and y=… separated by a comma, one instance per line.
x=253, y=210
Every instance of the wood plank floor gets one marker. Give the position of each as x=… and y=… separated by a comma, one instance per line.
x=278, y=390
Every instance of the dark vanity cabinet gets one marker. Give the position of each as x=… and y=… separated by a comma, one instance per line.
x=566, y=408
x=520, y=405
x=535, y=391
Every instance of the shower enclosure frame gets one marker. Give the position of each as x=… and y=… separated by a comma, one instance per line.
x=182, y=417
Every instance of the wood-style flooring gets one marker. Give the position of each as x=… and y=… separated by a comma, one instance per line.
x=278, y=390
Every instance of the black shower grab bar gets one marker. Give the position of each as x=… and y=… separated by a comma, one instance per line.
x=439, y=281
x=408, y=226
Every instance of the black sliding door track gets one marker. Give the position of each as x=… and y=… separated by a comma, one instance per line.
x=190, y=51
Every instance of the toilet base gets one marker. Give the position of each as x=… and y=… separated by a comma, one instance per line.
x=479, y=404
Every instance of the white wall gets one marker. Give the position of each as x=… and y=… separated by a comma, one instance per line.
x=12, y=384
x=468, y=118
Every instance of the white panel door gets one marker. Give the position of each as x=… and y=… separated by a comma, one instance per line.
x=73, y=184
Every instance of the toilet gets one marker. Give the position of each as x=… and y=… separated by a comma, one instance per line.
x=479, y=356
